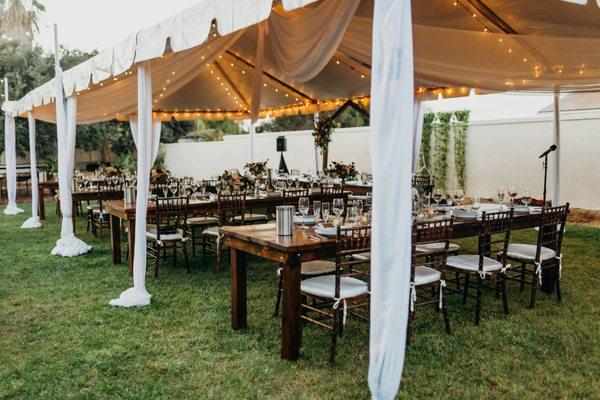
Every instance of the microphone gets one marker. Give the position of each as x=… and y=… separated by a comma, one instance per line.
x=550, y=150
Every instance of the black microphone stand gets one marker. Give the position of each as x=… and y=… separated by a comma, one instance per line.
x=545, y=176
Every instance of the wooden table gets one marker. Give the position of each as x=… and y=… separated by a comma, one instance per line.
x=290, y=252
x=358, y=189
x=119, y=211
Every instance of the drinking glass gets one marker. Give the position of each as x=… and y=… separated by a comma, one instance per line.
x=358, y=204
x=512, y=192
x=338, y=207
x=450, y=198
x=297, y=183
x=437, y=197
x=303, y=207
x=352, y=215
x=289, y=180
x=526, y=198
x=325, y=210
x=459, y=196
x=476, y=203
x=317, y=209
x=173, y=186
x=165, y=190
x=501, y=195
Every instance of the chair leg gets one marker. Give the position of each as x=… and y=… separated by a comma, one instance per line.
x=411, y=317
x=156, y=262
x=497, y=286
x=185, y=258
x=478, y=304
x=193, y=232
x=557, y=287
x=218, y=257
x=334, y=335
x=446, y=319
x=174, y=256
x=533, y=290
x=279, y=293
x=466, y=288
x=504, y=294
x=523, y=271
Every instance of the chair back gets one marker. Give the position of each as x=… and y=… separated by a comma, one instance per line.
x=428, y=233
x=171, y=214
x=551, y=229
x=494, y=236
x=332, y=190
x=292, y=196
x=230, y=206
x=350, y=241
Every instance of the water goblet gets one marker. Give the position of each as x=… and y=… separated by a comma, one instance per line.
x=325, y=210
x=512, y=192
x=303, y=207
x=526, y=198
x=437, y=197
x=501, y=195
x=317, y=209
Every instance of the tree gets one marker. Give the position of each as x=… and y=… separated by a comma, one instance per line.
x=287, y=123
x=18, y=21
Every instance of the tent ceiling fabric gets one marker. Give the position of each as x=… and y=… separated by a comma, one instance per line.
x=318, y=53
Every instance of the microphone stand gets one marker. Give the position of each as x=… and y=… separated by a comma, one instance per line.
x=545, y=176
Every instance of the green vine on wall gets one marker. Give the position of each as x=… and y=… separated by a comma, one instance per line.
x=425, y=153
x=460, y=146
x=441, y=140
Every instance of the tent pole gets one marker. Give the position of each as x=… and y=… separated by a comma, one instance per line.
x=252, y=139
x=316, y=119
x=557, y=155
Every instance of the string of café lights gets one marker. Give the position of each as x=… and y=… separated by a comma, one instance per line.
x=537, y=69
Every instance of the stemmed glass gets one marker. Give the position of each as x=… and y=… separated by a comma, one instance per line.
x=303, y=207
x=165, y=190
x=437, y=197
x=297, y=183
x=173, y=186
x=459, y=196
x=450, y=198
x=325, y=210
x=317, y=209
x=476, y=203
x=526, y=198
x=501, y=195
x=338, y=208
x=512, y=192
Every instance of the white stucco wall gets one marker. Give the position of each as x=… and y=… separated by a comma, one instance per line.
x=499, y=153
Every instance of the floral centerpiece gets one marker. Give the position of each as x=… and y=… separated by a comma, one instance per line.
x=110, y=171
x=322, y=136
x=342, y=171
x=233, y=180
x=257, y=168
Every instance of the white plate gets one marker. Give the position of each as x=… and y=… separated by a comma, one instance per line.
x=535, y=210
x=329, y=231
x=308, y=220
x=464, y=214
x=522, y=209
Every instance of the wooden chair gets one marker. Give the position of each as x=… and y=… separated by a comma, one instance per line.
x=427, y=272
x=228, y=208
x=545, y=255
x=292, y=196
x=332, y=190
x=343, y=292
x=422, y=183
x=494, y=237
x=99, y=215
x=167, y=230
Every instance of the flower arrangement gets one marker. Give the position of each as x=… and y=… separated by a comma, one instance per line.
x=322, y=133
x=233, y=179
x=257, y=168
x=342, y=171
x=110, y=171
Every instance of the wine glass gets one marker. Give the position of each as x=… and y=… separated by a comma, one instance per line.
x=297, y=183
x=358, y=205
x=512, y=192
x=303, y=207
x=450, y=198
x=352, y=215
x=437, y=197
x=165, y=190
x=459, y=196
x=476, y=203
x=338, y=207
x=317, y=209
x=289, y=180
x=526, y=198
x=325, y=210
x=501, y=195
x=173, y=186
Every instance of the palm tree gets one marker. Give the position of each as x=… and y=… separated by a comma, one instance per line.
x=19, y=19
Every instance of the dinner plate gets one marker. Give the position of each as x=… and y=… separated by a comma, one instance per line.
x=326, y=231
x=307, y=220
x=522, y=209
x=467, y=214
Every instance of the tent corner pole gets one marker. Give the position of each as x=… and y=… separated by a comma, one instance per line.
x=316, y=120
x=557, y=158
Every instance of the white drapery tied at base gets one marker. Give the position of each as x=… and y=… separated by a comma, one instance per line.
x=33, y=222
x=413, y=296
x=146, y=135
x=336, y=305
x=70, y=246
x=392, y=111
x=11, y=165
x=538, y=271
x=442, y=286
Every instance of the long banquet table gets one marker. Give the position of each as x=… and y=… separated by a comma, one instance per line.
x=120, y=211
x=262, y=241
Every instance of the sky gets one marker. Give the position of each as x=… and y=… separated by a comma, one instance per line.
x=98, y=24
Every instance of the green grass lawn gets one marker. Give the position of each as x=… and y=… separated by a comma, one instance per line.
x=59, y=338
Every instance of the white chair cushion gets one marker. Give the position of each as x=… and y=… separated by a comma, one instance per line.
x=362, y=256
x=425, y=275
x=203, y=220
x=252, y=217
x=324, y=286
x=151, y=234
x=470, y=262
x=436, y=247
x=526, y=252
x=212, y=231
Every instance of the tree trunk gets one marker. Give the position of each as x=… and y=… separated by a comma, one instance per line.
x=325, y=161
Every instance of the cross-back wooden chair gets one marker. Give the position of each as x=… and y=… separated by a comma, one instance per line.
x=335, y=190
x=291, y=196
x=167, y=230
x=545, y=255
x=343, y=292
x=100, y=218
x=493, y=240
x=427, y=272
x=231, y=209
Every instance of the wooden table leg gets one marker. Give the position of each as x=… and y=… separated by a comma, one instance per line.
x=131, y=243
x=74, y=216
x=115, y=238
x=291, y=328
x=239, y=308
x=41, y=205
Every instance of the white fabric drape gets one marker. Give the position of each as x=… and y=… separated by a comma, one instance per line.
x=34, y=221
x=66, y=126
x=557, y=154
x=417, y=131
x=156, y=131
x=258, y=73
x=392, y=135
x=10, y=157
x=146, y=135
